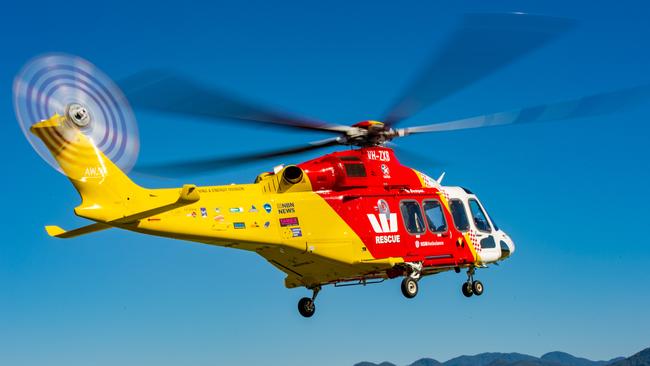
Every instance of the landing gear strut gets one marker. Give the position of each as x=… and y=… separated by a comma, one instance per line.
x=472, y=287
x=306, y=305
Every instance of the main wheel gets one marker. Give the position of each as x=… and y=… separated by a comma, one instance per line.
x=477, y=288
x=409, y=287
x=306, y=307
x=467, y=289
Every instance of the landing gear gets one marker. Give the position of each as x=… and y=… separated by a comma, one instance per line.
x=472, y=287
x=307, y=306
x=409, y=287
x=477, y=288
x=410, y=282
x=467, y=289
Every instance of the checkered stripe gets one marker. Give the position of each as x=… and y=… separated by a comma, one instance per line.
x=474, y=239
x=445, y=194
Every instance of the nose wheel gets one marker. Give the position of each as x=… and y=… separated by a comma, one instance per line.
x=307, y=306
x=472, y=287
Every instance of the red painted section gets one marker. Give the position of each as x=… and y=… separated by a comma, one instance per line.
x=365, y=184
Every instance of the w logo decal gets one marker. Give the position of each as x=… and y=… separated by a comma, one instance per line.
x=387, y=223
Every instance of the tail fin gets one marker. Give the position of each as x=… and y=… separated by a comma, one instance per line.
x=105, y=190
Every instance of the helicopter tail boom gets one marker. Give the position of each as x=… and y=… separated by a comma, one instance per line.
x=108, y=194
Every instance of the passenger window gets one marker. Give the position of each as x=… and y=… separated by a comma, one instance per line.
x=412, y=216
x=459, y=215
x=435, y=217
x=480, y=220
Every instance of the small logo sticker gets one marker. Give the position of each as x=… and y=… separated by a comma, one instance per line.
x=268, y=208
x=219, y=218
x=239, y=225
x=267, y=224
x=204, y=212
x=217, y=210
x=253, y=209
x=255, y=224
x=286, y=208
x=236, y=210
x=296, y=232
x=289, y=221
x=384, y=169
x=382, y=207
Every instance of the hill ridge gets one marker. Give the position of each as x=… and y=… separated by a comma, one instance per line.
x=554, y=358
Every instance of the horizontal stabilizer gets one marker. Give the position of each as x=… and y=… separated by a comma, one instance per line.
x=189, y=194
x=58, y=232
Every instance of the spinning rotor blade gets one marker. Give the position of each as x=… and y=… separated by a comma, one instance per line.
x=58, y=83
x=166, y=92
x=593, y=105
x=190, y=167
x=482, y=44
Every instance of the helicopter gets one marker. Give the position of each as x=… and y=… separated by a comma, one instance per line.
x=351, y=217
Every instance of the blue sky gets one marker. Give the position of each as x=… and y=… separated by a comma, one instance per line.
x=571, y=194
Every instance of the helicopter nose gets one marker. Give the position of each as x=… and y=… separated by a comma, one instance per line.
x=507, y=247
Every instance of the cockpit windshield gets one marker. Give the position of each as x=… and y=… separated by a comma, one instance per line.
x=480, y=219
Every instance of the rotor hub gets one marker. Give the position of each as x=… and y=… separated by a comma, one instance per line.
x=78, y=114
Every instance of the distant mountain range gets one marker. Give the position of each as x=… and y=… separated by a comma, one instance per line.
x=517, y=359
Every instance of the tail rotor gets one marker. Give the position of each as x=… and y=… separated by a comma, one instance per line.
x=87, y=99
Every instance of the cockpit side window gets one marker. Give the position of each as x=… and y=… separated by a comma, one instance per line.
x=435, y=218
x=412, y=215
x=459, y=214
x=480, y=219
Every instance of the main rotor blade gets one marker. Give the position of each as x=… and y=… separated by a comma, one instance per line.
x=593, y=105
x=190, y=167
x=166, y=92
x=482, y=44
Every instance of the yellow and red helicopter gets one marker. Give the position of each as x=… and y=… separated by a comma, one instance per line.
x=349, y=217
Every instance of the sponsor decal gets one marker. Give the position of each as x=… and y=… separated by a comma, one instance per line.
x=204, y=212
x=286, y=208
x=253, y=209
x=236, y=210
x=219, y=218
x=289, y=221
x=267, y=224
x=267, y=207
x=383, y=223
x=217, y=210
x=419, y=244
x=231, y=188
x=191, y=214
x=255, y=224
x=387, y=239
x=239, y=225
x=296, y=232
x=378, y=155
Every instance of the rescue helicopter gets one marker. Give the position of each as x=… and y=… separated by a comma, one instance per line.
x=351, y=217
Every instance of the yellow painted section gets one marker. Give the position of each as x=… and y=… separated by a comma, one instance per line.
x=288, y=224
x=470, y=244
